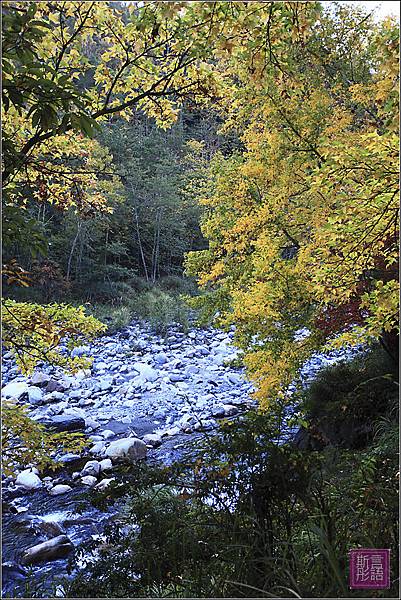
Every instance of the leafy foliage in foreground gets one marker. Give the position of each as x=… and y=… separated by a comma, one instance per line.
x=33, y=333
x=25, y=441
x=252, y=516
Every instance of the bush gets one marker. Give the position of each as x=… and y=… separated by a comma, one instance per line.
x=115, y=293
x=138, y=284
x=115, y=317
x=178, y=285
x=160, y=309
x=250, y=516
x=365, y=384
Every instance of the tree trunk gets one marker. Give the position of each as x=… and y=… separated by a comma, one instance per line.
x=390, y=341
x=74, y=243
x=140, y=245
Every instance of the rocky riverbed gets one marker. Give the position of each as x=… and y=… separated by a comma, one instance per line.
x=144, y=396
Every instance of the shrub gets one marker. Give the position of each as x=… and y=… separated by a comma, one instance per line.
x=114, y=317
x=366, y=383
x=160, y=309
x=250, y=516
x=178, y=285
x=115, y=293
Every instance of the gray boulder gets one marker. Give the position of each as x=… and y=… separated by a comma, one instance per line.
x=58, y=547
x=40, y=379
x=128, y=449
x=64, y=423
x=15, y=389
x=55, y=386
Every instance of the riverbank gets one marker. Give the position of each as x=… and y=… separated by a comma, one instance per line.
x=150, y=393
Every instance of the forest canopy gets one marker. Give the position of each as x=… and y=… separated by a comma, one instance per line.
x=123, y=123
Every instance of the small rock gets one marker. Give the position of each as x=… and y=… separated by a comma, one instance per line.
x=174, y=377
x=35, y=394
x=99, y=366
x=92, y=467
x=97, y=448
x=152, y=439
x=60, y=489
x=69, y=457
x=89, y=480
x=107, y=434
x=161, y=358
x=79, y=351
x=104, y=484
x=55, y=386
x=50, y=528
x=89, y=422
x=146, y=372
x=172, y=431
x=229, y=410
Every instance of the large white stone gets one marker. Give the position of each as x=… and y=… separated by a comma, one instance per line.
x=15, y=389
x=89, y=480
x=35, y=394
x=146, y=372
x=97, y=448
x=130, y=449
x=28, y=480
x=152, y=439
x=104, y=484
x=105, y=465
x=58, y=547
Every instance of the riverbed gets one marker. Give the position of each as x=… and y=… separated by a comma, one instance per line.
x=161, y=391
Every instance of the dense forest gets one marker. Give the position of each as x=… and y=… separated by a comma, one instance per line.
x=200, y=230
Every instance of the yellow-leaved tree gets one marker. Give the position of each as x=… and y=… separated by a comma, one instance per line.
x=68, y=66
x=303, y=224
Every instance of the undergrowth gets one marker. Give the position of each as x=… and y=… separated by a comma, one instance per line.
x=251, y=515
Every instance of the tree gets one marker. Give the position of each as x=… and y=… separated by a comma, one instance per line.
x=146, y=58
x=303, y=224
